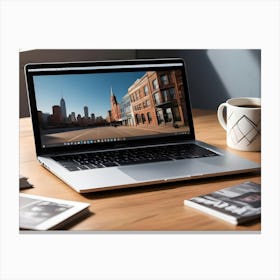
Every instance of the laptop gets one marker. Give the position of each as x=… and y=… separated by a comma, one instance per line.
x=115, y=124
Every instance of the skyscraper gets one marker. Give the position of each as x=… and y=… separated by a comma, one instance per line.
x=63, y=110
x=86, y=112
x=73, y=117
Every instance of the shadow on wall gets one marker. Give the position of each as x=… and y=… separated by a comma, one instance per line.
x=213, y=75
x=238, y=70
x=216, y=75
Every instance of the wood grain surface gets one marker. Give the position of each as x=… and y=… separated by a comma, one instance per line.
x=149, y=208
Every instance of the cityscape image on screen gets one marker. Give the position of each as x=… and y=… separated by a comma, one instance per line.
x=88, y=108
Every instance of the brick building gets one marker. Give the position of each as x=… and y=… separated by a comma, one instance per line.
x=141, y=102
x=158, y=99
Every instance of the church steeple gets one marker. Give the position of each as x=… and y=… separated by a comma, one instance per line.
x=115, y=108
x=113, y=97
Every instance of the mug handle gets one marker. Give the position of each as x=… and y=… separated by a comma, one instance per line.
x=220, y=115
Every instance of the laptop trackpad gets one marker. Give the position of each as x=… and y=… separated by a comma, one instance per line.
x=161, y=171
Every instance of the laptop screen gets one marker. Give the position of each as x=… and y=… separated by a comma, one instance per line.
x=82, y=105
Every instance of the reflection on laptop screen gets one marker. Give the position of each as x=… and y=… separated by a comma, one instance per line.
x=86, y=108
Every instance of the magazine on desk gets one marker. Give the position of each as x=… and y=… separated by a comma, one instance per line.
x=237, y=204
x=44, y=213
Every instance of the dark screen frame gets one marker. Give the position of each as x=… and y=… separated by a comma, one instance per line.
x=103, y=145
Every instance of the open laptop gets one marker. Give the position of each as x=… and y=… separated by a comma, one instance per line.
x=114, y=124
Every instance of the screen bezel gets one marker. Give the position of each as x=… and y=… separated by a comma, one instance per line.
x=118, y=66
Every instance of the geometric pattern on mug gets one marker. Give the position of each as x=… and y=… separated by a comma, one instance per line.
x=244, y=130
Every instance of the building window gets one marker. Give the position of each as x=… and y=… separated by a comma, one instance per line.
x=164, y=79
x=149, y=116
x=168, y=94
x=138, y=118
x=160, y=117
x=137, y=107
x=155, y=84
x=156, y=98
x=172, y=93
x=137, y=94
x=146, y=103
x=143, y=118
x=169, y=117
x=165, y=95
x=146, y=91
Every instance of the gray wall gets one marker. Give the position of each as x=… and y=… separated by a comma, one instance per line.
x=213, y=75
x=216, y=75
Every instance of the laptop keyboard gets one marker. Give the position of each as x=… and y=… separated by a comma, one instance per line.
x=132, y=156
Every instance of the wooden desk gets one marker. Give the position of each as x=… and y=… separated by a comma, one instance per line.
x=151, y=208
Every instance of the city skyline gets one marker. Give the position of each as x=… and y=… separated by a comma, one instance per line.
x=80, y=90
x=65, y=113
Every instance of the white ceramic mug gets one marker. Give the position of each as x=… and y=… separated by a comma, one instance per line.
x=242, y=123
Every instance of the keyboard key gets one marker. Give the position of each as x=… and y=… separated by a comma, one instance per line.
x=109, y=164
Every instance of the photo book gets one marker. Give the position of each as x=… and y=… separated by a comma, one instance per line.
x=237, y=204
x=44, y=213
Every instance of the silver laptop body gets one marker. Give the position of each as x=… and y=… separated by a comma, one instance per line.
x=84, y=111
